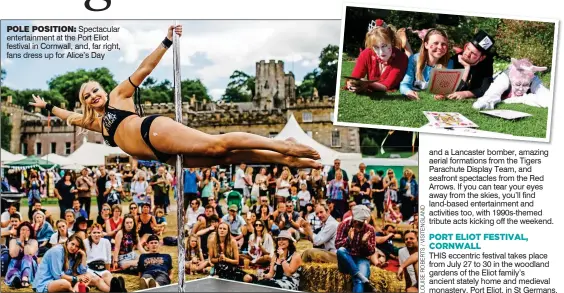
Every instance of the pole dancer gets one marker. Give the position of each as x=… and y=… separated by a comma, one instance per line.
x=179, y=185
x=161, y=138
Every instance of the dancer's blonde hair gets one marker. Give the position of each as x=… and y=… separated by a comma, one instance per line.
x=88, y=115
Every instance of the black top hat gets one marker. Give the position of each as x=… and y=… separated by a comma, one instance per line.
x=483, y=42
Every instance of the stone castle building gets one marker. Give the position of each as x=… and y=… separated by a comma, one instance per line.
x=274, y=102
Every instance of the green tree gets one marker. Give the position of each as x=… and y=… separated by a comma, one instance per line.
x=6, y=132
x=157, y=92
x=241, y=87
x=305, y=89
x=194, y=87
x=326, y=81
x=368, y=146
x=68, y=84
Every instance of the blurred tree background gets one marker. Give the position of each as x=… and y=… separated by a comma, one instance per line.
x=514, y=38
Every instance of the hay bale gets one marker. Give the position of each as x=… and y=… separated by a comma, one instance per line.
x=320, y=277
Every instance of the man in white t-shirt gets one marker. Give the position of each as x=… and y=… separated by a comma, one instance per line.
x=239, y=184
x=411, y=247
x=5, y=217
x=192, y=213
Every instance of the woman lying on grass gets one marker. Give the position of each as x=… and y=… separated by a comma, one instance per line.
x=434, y=53
x=381, y=63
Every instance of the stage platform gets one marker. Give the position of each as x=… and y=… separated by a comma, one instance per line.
x=212, y=284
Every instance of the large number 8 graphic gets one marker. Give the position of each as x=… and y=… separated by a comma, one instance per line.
x=87, y=5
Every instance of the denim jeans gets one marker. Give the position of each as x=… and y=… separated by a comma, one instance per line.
x=351, y=265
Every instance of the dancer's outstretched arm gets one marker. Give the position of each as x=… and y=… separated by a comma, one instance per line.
x=96, y=125
x=125, y=89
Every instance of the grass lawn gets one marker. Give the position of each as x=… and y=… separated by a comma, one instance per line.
x=394, y=109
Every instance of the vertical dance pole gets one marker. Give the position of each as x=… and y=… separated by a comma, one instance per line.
x=179, y=160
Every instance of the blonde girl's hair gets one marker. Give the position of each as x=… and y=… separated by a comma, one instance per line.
x=57, y=225
x=339, y=172
x=88, y=115
x=249, y=171
x=381, y=35
x=94, y=226
x=314, y=172
x=159, y=210
x=285, y=172
x=407, y=171
x=214, y=243
x=423, y=54
x=107, y=205
x=197, y=248
x=116, y=207
x=77, y=262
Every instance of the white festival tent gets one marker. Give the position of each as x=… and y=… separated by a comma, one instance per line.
x=7, y=157
x=349, y=161
x=57, y=159
x=75, y=167
x=93, y=154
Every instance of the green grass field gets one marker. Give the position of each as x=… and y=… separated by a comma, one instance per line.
x=393, y=109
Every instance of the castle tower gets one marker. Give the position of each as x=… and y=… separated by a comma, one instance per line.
x=271, y=85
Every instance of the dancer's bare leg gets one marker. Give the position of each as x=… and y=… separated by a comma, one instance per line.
x=171, y=137
x=249, y=157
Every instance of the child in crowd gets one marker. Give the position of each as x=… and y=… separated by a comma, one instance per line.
x=294, y=197
x=161, y=221
x=305, y=197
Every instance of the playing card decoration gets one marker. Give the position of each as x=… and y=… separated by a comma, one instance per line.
x=507, y=114
x=444, y=81
x=448, y=120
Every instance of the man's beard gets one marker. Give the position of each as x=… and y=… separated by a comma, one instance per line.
x=468, y=61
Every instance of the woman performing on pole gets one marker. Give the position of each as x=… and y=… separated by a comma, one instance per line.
x=161, y=138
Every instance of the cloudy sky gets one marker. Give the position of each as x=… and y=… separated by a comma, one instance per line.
x=210, y=50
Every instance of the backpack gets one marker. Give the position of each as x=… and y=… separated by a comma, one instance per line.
x=5, y=256
x=170, y=241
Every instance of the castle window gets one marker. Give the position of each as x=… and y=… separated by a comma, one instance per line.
x=24, y=148
x=336, y=138
x=38, y=148
x=272, y=134
x=307, y=117
x=53, y=147
x=67, y=148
